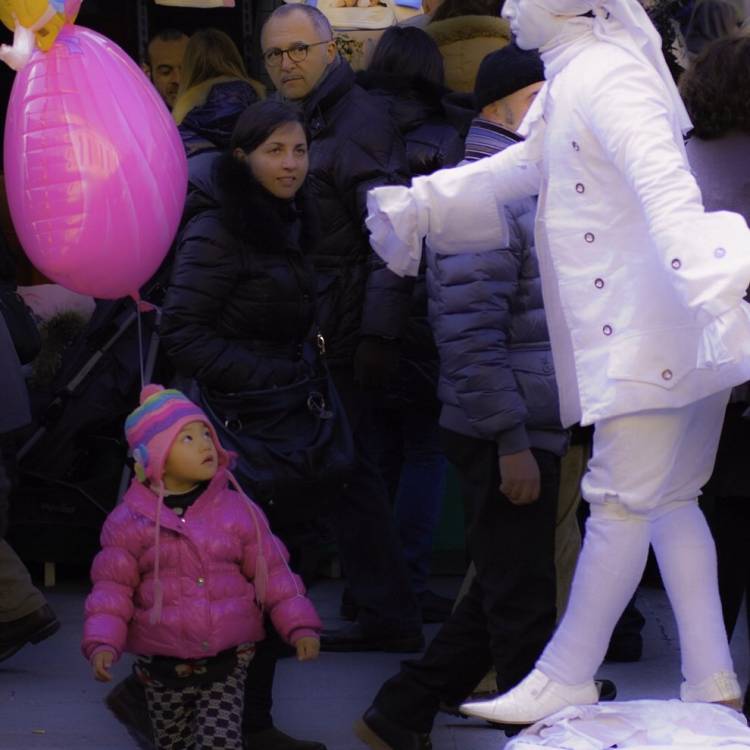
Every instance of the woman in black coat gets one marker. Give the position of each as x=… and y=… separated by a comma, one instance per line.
x=241, y=303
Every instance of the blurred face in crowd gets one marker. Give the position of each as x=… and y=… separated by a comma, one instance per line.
x=295, y=54
x=165, y=66
x=511, y=109
x=531, y=24
x=280, y=163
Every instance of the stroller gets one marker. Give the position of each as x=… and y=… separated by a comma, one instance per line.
x=72, y=462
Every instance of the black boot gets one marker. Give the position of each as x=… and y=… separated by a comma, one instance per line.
x=127, y=701
x=32, y=628
x=380, y=733
x=274, y=739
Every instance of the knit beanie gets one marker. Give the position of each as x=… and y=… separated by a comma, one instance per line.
x=153, y=427
x=505, y=71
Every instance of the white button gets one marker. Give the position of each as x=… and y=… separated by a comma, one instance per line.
x=201, y=581
x=580, y=188
x=599, y=283
x=589, y=237
x=182, y=520
x=607, y=330
x=666, y=374
x=720, y=252
x=676, y=263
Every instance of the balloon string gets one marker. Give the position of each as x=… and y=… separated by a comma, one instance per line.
x=140, y=344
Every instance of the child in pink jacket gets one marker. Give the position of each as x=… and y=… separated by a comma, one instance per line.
x=187, y=569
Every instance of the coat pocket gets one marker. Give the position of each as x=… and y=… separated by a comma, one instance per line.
x=660, y=357
x=534, y=373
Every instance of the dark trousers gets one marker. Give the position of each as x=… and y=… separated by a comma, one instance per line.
x=368, y=541
x=508, y=614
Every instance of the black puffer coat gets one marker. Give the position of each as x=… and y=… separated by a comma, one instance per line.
x=214, y=107
x=432, y=143
x=355, y=146
x=415, y=104
x=242, y=296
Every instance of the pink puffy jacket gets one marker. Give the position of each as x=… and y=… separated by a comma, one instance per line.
x=208, y=560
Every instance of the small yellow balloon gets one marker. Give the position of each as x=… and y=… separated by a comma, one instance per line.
x=29, y=12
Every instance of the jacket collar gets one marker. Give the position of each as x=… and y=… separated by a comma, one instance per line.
x=336, y=83
x=486, y=138
x=143, y=501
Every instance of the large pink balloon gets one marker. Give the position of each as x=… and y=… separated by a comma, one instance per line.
x=94, y=167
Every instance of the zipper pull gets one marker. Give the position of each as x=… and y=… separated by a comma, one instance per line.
x=321, y=343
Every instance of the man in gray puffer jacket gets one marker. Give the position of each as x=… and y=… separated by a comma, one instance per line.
x=501, y=429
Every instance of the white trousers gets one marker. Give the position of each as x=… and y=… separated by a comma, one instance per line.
x=643, y=482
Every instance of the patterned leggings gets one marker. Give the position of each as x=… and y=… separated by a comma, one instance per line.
x=204, y=717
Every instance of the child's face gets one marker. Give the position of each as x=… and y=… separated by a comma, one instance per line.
x=192, y=458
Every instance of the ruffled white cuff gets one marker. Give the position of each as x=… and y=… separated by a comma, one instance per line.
x=397, y=224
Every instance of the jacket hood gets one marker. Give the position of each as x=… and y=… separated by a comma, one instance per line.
x=412, y=100
x=206, y=114
x=462, y=28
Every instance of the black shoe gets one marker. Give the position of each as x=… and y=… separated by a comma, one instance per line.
x=353, y=638
x=274, y=739
x=607, y=690
x=381, y=733
x=625, y=648
x=127, y=701
x=434, y=608
x=32, y=628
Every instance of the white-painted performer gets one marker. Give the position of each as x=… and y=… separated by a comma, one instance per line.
x=643, y=292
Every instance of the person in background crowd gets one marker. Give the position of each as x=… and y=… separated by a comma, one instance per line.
x=25, y=616
x=214, y=91
x=363, y=307
x=420, y=21
x=501, y=429
x=716, y=91
x=466, y=31
x=406, y=73
x=163, y=64
x=710, y=20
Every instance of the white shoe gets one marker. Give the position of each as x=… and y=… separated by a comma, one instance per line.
x=721, y=687
x=532, y=699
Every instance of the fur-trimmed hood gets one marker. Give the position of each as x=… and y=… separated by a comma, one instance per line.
x=461, y=28
x=206, y=114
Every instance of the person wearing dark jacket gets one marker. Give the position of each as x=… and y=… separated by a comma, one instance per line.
x=242, y=298
x=501, y=429
x=363, y=306
x=214, y=91
x=406, y=74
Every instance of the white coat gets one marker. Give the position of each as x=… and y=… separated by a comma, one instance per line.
x=642, y=288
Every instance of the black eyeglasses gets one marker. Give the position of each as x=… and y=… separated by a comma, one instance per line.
x=297, y=53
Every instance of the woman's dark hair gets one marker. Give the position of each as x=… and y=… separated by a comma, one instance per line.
x=716, y=88
x=408, y=52
x=455, y=8
x=259, y=120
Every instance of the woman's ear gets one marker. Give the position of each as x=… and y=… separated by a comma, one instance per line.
x=239, y=154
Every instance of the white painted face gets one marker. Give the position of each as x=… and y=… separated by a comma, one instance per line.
x=532, y=25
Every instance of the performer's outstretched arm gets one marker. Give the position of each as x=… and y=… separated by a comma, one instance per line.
x=457, y=210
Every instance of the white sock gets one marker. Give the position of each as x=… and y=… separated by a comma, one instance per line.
x=686, y=555
x=609, y=569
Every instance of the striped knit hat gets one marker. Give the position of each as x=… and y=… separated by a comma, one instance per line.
x=154, y=425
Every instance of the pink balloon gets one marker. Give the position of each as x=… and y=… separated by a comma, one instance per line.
x=94, y=167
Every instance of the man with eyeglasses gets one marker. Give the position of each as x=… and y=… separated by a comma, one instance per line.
x=362, y=307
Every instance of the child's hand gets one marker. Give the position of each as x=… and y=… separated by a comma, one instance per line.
x=101, y=664
x=308, y=648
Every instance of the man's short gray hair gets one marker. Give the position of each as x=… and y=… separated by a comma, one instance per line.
x=319, y=21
